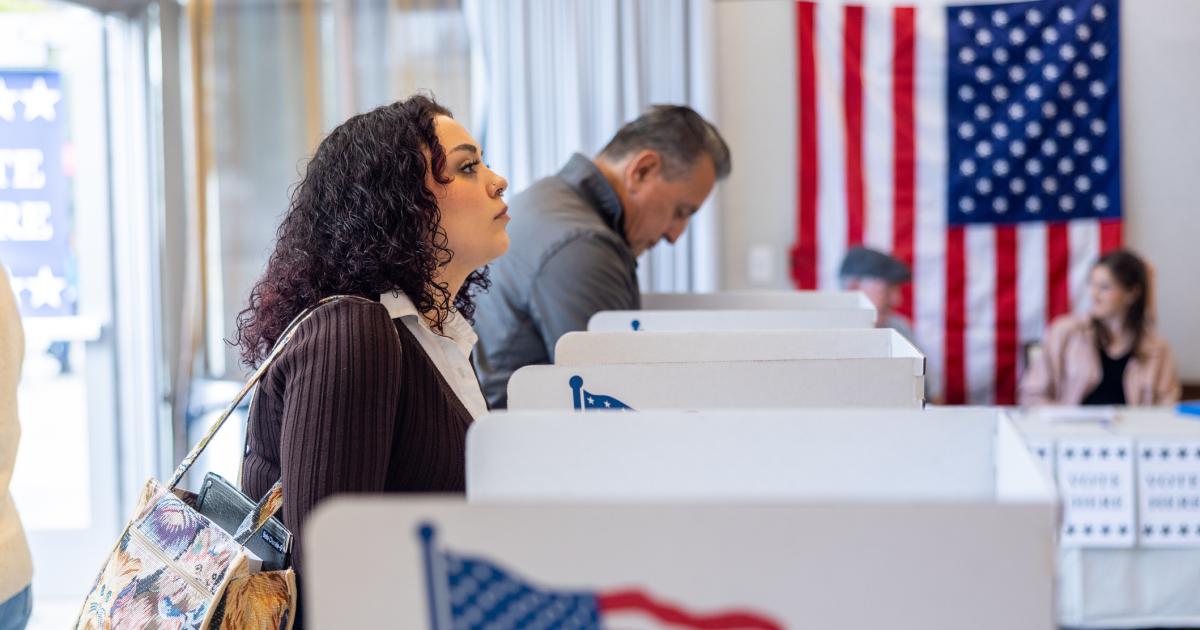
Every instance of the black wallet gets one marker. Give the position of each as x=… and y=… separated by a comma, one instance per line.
x=224, y=504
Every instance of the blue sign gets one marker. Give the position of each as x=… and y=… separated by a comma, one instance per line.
x=35, y=224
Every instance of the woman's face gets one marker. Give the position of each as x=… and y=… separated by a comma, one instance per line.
x=1109, y=299
x=474, y=216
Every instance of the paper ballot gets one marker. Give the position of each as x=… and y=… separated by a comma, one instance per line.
x=1169, y=493
x=1095, y=479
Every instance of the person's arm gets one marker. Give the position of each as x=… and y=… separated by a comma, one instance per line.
x=1037, y=384
x=1167, y=388
x=339, y=408
x=583, y=277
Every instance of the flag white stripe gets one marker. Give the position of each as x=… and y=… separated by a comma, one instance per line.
x=929, y=245
x=1032, y=281
x=877, y=126
x=831, y=151
x=980, y=241
x=1084, y=237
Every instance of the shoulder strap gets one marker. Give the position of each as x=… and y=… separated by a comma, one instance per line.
x=280, y=344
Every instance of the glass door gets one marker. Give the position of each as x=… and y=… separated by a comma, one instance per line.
x=67, y=201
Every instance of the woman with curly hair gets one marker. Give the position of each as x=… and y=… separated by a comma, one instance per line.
x=374, y=394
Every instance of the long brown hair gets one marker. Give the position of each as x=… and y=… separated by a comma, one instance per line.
x=1132, y=274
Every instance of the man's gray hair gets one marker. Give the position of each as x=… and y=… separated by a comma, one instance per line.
x=678, y=134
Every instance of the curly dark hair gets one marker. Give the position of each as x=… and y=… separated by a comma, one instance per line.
x=361, y=222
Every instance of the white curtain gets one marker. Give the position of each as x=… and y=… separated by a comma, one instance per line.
x=553, y=77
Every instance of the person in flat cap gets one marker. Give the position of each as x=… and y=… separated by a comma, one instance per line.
x=880, y=277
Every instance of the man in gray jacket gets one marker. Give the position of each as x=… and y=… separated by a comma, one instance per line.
x=576, y=236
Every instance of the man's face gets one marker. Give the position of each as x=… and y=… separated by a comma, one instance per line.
x=886, y=297
x=658, y=208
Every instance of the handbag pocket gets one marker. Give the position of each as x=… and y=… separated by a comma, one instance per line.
x=260, y=601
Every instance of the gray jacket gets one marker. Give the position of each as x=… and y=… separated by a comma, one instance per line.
x=567, y=261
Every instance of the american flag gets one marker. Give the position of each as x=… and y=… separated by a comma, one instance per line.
x=471, y=593
x=980, y=144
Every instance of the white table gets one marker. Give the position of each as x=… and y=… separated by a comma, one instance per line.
x=1123, y=588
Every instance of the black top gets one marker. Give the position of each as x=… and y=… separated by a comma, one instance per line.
x=1111, y=389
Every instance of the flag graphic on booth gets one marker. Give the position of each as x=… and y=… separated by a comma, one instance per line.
x=474, y=593
x=979, y=144
x=585, y=400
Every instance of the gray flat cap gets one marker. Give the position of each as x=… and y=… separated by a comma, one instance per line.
x=863, y=262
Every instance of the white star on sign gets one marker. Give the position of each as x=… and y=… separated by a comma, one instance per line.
x=8, y=98
x=45, y=289
x=40, y=100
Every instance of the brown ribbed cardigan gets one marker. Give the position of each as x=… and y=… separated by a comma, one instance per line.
x=352, y=405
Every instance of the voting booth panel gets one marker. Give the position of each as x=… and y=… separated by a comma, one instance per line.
x=757, y=300
x=420, y=562
x=891, y=456
x=1136, y=473
x=799, y=519
x=731, y=320
x=720, y=385
x=596, y=348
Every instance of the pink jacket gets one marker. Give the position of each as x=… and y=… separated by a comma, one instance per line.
x=1068, y=368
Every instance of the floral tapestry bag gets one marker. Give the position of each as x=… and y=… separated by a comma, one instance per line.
x=174, y=568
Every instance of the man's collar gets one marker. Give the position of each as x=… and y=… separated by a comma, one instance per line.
x=581, y=174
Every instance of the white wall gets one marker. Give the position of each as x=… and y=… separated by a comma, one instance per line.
x=1161, y=153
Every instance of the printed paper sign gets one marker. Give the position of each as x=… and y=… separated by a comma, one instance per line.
x=1169, y=493
x=35, y=179
x=1043, y=451
x=1095, y=479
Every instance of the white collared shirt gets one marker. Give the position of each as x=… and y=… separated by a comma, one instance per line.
x=451, y=352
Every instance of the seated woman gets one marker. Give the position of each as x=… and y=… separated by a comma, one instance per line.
x=1114, y=356
x=373, y=394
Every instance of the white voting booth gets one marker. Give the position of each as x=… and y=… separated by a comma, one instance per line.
x=608, y=321
x=757, y=300
x=1136, y=472
x=724, y=369
x=744, y=310
x=797, y=519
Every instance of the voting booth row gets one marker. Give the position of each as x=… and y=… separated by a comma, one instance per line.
x=767, y=460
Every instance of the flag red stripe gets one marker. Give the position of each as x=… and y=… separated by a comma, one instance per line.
x=954, y=390
x=1006, y=315
x=1110, y=235
x=638, y=601
x=804, y=255
x=1058, y=266
x=904, y=170
x=852, y=105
